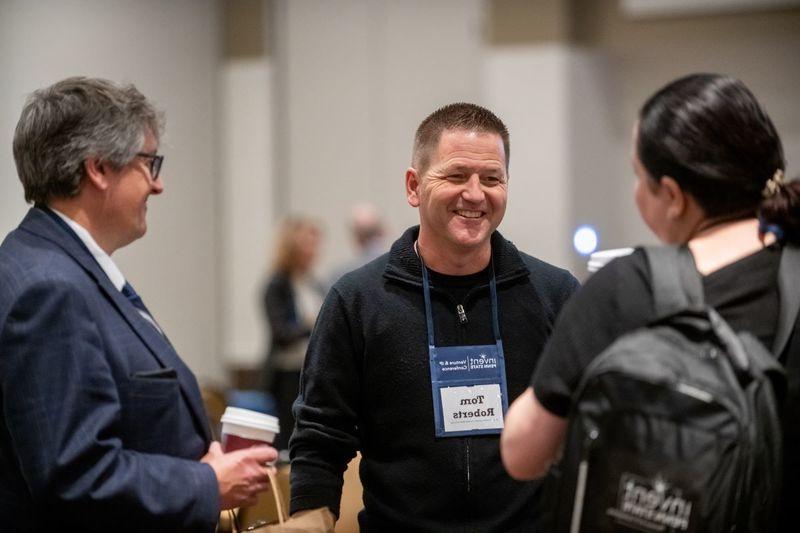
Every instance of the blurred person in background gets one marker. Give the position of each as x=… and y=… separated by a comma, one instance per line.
x=453, y=315
x=368, y=233
x=291, y=301
x=102, y=427
x=369, y=237
x=710, y=174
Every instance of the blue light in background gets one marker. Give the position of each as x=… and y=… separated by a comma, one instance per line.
x=585, y=240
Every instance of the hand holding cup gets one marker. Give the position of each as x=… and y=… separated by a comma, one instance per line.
x=241, y=474
x=242, y=467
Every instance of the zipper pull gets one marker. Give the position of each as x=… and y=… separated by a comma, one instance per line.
x=462, y=315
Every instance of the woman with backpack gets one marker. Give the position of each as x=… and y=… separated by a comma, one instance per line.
x=710, y=171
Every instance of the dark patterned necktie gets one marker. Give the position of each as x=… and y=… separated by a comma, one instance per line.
x=133, y=297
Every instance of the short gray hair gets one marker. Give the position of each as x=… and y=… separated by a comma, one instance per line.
x=73, y=120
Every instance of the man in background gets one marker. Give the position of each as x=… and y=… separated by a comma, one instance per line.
x=102, y=427
x=416, y=355
x=368, y=232
x=369, y=237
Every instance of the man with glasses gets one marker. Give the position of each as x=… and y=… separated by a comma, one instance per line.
x=155, y=163
x=102, y=426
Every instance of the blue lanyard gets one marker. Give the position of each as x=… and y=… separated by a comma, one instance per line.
x=426, y=289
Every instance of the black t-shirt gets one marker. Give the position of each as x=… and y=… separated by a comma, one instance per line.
x=459, y=286
x=619, y=299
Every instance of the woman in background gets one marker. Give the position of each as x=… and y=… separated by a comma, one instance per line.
x=291, y=301
x=710, y=171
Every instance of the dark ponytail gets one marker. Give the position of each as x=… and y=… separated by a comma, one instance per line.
x=709, y=133
x=779, y=212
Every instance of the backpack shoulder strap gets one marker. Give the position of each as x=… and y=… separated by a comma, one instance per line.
x=676, y=284
x=788, y=274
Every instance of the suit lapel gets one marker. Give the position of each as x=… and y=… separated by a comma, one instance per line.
x=41, y=224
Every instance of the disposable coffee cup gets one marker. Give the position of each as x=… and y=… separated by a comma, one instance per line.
x=243, y=428
x=599, y=259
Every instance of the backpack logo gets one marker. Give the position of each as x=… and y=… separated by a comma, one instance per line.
x=650, y=505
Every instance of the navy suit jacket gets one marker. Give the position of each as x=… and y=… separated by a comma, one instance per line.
x=101, y=423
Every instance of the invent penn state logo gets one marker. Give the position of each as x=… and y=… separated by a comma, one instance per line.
x=651, y=505
x=481, y=362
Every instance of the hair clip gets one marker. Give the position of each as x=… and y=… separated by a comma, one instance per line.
x=773, y=184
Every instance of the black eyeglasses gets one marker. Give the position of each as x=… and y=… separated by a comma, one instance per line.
x=155, y=163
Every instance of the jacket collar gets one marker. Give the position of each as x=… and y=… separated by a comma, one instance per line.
x=404, y=265
x=40, y=223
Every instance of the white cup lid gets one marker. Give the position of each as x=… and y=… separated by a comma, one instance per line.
x=248, y=418
x=599, y=259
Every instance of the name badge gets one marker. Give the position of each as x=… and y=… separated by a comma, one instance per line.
x=469, y=408
x=469, y=389
x=470, y=396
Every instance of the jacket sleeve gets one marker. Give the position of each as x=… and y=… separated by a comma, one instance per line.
x=279, y=307
x=62, y=412
x=326, y=411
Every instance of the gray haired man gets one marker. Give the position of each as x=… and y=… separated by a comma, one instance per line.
x=102, y=427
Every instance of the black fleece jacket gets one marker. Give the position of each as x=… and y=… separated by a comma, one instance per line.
x=366, y=386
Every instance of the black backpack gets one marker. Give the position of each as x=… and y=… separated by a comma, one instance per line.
x=675, y=427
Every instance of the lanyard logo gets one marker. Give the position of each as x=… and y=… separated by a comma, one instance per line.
x=483, y=361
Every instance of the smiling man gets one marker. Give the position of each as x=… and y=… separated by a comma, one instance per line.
x=416, y=356
x=102, y=426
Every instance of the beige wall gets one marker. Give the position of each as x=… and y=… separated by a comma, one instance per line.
x=170, y=51
x=355, y=78
x=523, y=22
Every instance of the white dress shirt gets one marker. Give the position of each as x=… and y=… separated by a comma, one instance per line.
x=104, y=260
